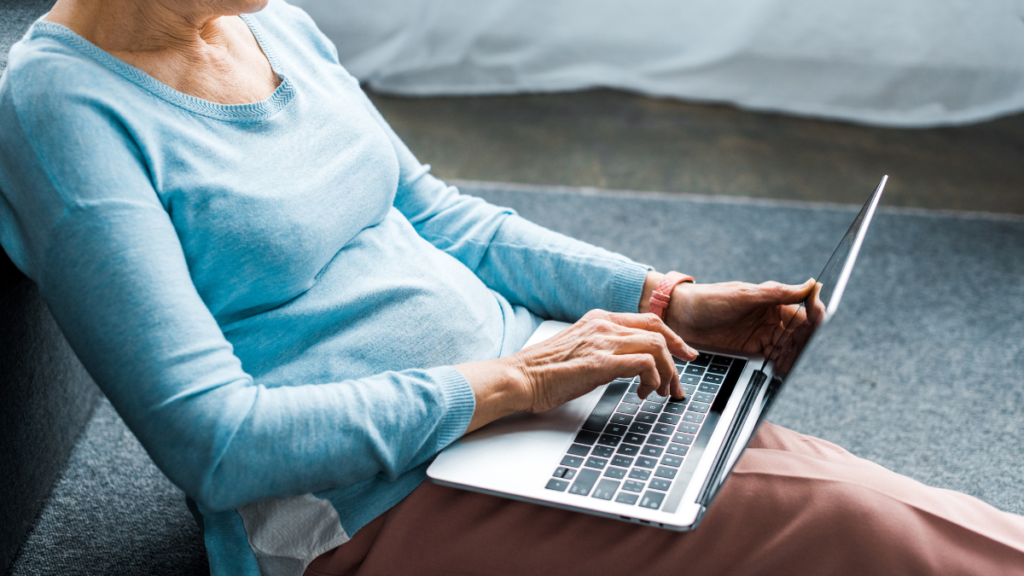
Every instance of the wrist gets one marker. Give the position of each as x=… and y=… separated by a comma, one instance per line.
x=650, y=285
x=677, y=315
x=500, y=388
x=659, y=299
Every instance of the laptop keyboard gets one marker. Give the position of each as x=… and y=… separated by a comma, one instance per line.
x=629, y=450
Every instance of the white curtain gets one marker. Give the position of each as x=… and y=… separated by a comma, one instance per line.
x=909, y=63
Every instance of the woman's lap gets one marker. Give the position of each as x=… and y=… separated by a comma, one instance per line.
x=794, y=504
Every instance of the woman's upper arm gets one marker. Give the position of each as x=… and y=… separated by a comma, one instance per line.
x=82, y=219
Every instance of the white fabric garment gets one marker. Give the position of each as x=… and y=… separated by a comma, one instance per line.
x=887, y=62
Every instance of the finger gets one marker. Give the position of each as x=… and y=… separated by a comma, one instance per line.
x=651, y=323
x=642, y=365
x=771, y=293
x=635, y=341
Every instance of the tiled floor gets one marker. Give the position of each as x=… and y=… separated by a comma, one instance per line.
x=614, y=140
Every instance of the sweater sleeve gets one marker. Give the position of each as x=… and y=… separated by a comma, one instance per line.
x=552, y=275
x=80, y=216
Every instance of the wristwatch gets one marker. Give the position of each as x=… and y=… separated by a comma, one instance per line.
x=663, y=293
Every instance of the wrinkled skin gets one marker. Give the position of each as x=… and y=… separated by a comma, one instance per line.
x=603, y=346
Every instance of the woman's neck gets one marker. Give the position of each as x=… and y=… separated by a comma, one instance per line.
x=134, y=26
x=197, y=47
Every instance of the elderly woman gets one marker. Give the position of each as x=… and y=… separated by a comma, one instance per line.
x=294, y=317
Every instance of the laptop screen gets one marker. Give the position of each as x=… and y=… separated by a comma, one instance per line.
x=809, y=316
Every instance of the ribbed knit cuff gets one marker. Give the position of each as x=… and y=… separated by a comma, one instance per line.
x=627, y=287
x=459, y=404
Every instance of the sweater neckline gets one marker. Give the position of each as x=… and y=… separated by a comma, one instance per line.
x=252, y=112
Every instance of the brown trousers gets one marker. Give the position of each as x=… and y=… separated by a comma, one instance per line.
x=793, y=505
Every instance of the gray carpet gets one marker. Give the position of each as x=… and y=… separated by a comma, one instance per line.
x=921, y=370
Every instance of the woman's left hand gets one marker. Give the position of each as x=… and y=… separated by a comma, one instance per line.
x=735, y=315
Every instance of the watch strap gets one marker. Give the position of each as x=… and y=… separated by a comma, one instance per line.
x=663, y=293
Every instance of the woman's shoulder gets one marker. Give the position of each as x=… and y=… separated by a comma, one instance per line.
x=51, y=69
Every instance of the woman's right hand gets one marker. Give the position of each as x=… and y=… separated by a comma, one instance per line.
x=598, y=348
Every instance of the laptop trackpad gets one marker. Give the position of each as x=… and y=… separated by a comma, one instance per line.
x=508, y=452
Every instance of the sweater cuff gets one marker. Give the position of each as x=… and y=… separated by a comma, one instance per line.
x=459, y=404
x=627, y=287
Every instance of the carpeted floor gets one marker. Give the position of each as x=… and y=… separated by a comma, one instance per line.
x=921, y=370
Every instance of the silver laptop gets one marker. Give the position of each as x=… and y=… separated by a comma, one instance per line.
x=657, y=462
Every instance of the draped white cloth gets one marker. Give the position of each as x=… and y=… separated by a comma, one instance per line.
x=886, y=62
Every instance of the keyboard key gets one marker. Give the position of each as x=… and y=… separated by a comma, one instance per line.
x=694, y=370
x=628, y=450
x=669, y=418
x=723, y=360
x=657, y=440
x=698, y=407
x=605, y=406
x=689, y=389
x=666, y=472
x=666, y=429
x=560, y=471
x=585, y=480
x=598, y=463
x=677, y=449
x=626, y=498
x=569, y=473
x=683, y=438
x=633, y=486
x=702, y=360
x=693, y=417
x=709, y=387
x=555, y=484
x=688, y=428
x=638, y=474
x=645, y=462
x=623, y=419
x=689, y=380
x=652, y=500
x=714, y=378
x=578, y=450
x=617, y=473
x=674, y=408
x=652, y=451
x=634, y=387
x=651, y=407
x=646, y=418
x=624, y=461
x=703, y=397
x=662, y=485
x=609, y=440
x=654, y=397
x=640, y=428
x=632, y=398
x=617, y=429
x=585, y=437
x=673, y=461
x=634, y=438
x=716, y=369
x=602, y=451
x=606, y=489
x=572, y=461
x=627, y=408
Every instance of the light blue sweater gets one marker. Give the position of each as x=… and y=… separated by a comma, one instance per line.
x=271, y=295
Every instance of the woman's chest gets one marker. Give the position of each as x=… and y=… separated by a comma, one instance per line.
x=261, y=209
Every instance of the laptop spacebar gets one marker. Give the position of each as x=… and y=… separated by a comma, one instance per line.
x=606, y=405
